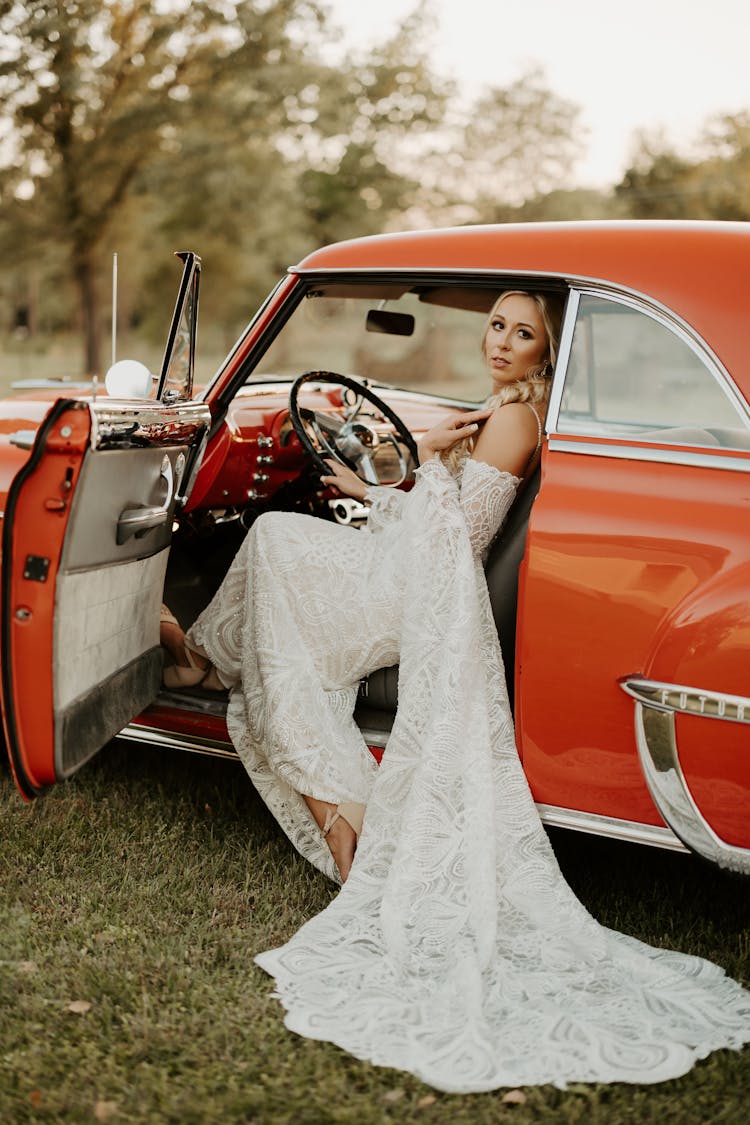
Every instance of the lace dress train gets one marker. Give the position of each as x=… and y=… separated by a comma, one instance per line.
x=455, y=949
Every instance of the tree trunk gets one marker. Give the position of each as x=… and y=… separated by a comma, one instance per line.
x=85, y=275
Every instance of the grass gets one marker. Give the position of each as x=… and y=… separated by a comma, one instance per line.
x=144, y=887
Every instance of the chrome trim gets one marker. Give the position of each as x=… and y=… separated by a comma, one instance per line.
x=209, y=747
x=696, y=457
x=563, y=358
x=346, y=510
x=124, y=423
x=656, y=741
x=678, y=699
x=375, y=737
x=397, y=272
x=674, y=323
x=615, y=829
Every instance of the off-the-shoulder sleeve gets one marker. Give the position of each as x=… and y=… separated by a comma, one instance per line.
x=386, y=506
x=486, y=496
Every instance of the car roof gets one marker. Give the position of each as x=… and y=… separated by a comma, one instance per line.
x=698, y=270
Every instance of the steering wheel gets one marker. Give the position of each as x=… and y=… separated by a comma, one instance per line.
x=348, y=439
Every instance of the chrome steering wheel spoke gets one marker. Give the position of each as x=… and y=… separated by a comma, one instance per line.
x=348, y=440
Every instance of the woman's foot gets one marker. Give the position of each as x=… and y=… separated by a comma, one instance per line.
x=341, y=835
x=190, y=668
x=172, y=638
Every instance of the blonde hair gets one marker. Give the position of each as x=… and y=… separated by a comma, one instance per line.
x=535, y=386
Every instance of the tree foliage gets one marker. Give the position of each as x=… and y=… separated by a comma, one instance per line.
x=714, y=184
x=240, y=129
x=102, y=92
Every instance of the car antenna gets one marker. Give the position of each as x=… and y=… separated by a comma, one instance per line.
x=114, y=306
x=95, y=381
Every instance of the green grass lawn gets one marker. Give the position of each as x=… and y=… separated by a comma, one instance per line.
x=133, y=900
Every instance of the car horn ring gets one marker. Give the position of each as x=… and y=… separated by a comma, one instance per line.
x=296, y=416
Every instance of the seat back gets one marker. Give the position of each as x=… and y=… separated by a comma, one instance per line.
x=379, y=691
x=501, y=570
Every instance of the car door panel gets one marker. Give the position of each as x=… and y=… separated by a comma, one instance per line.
x=621, y=553
x=87, y=530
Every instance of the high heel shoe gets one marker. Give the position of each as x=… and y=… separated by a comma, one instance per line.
x=351, y=812
x=177, y=675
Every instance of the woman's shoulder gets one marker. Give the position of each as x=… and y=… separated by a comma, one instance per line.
x=513, y=415
x=509, y=437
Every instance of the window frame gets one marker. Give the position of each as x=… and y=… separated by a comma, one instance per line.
x=636, y=446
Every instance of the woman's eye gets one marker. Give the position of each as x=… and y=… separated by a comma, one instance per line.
x=524, y=334
x=498, y=325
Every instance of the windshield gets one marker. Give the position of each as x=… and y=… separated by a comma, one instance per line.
x=424, y=338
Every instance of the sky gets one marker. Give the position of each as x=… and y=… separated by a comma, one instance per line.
x=629, y=64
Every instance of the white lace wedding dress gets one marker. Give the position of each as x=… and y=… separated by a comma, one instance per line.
x=455, y=949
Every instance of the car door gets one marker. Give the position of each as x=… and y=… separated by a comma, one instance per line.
x=86, y=535
x=635, y=602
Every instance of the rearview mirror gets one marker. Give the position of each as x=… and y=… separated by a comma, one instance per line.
x=392, y=323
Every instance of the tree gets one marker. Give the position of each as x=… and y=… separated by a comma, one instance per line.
x=99, y=91
x=362, y=133
x=510, y=145
x=713, y=184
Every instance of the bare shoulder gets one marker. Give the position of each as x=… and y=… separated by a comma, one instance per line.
x=508, y=438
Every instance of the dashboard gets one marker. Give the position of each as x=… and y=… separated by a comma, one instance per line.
x=256, y=452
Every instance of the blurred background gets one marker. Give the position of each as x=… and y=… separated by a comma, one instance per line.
x=253, y=131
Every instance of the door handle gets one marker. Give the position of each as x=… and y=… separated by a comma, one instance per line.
x=137, y=521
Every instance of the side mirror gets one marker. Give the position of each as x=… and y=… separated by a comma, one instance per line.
x=128, y=379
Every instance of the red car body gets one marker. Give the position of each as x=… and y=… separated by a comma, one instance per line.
x=631, y=660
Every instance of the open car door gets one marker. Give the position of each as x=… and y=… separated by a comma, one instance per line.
x=86, y=536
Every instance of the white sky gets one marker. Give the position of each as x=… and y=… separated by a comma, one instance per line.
x=629, y=64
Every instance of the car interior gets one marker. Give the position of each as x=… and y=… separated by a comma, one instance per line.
x=417, y=347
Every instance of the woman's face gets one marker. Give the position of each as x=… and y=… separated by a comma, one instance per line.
x=515, y=340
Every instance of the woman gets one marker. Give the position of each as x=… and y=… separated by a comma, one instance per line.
x=519, y=347
x=455, y=949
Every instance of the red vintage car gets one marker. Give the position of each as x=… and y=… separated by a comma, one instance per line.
x=620, y=584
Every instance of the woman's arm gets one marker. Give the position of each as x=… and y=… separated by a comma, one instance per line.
x=342, y=478
x=440, y=438
x=447, y=433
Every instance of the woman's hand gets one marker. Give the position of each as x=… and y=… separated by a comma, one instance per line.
x=450, y=431
x=343, y=479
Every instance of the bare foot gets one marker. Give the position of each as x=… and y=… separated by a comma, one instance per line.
x=341, y=838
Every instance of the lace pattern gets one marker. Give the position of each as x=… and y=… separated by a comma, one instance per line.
x=455, y=950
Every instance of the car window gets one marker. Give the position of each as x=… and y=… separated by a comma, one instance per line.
x=432, y=345
x=630, y=375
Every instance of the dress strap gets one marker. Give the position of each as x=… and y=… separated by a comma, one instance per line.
x=539, y=429
x=533, y=455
